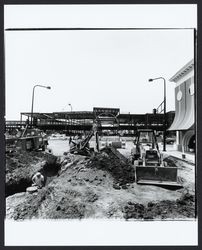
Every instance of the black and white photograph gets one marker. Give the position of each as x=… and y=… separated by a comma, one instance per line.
x=100, y=120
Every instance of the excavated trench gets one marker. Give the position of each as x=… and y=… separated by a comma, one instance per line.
x=49, y=171
x=17, y=187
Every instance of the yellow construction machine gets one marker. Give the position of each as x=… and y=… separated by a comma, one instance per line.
x=150, y=168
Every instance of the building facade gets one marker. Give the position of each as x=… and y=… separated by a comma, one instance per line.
x=184, y=121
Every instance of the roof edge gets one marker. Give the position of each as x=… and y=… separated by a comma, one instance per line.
x=180, y=73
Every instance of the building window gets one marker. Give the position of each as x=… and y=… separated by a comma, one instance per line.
x=179, y=95
x=191, y=89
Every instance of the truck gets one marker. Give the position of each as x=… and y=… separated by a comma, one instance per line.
x=32, y=139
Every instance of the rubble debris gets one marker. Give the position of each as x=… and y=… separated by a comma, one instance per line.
x=116, y=186
x=165, y=209
x=30, y=207
x=91, y=196
x=71, y=211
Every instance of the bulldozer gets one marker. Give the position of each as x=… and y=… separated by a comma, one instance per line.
x=150, y=168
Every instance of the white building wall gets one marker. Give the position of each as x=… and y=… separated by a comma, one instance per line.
x=183, y=137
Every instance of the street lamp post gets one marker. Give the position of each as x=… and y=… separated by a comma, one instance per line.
x=164, y=120
x=47, y=87
x=70, y=116
x=70, y=106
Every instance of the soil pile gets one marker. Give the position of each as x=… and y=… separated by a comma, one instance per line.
x=166, y=209
x=46, y=203
x=114, y=163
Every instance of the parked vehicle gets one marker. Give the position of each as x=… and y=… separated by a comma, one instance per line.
x=32, y=139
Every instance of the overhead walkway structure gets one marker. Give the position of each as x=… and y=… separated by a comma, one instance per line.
x=81, y=121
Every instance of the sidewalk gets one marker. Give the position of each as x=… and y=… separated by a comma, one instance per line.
x=170, y=150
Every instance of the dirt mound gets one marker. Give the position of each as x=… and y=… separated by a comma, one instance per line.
x=54, y=202
x=43, y=204
x=75, y=193
x=166, y=209
x=29, y=208
x=114, y=163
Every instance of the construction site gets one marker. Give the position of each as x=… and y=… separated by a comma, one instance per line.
x=99, y=112
x=100, y=164
x=126, y=150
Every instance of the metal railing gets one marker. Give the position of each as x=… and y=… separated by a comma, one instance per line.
x=16, y=123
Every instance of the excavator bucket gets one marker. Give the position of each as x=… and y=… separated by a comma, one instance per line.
x=162, y=176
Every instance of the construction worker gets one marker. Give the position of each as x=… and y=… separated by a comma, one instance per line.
x=38, y=180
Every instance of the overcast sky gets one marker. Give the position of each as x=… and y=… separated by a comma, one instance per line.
x=92, y=68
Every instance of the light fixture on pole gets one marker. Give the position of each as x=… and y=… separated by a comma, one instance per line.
x=164, y=120
x=70, y=106
x=70, y=115
x=42, y=86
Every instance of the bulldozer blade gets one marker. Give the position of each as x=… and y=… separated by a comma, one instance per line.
x=162, y=176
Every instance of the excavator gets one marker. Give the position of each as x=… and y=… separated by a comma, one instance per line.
x=82, y=146
x=150, y=168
